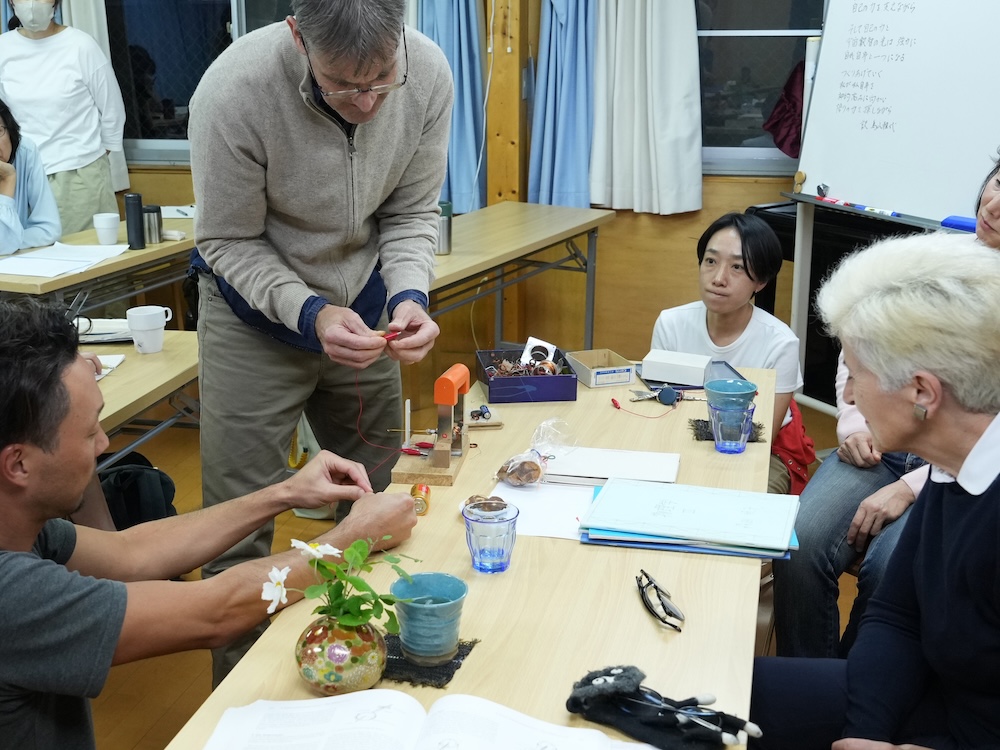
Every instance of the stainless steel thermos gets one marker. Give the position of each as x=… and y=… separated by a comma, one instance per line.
x=444, y=230
x=152, y=222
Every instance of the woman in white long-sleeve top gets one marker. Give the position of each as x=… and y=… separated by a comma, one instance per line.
x=62, y=89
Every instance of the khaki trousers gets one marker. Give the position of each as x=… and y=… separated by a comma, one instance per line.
x=81, y=193
x=253, y=390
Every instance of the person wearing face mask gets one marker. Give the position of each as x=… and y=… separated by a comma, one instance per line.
x=28, y=213
x=62, y=89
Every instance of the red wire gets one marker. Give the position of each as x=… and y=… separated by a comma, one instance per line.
x=361, y=407
x=614, y=403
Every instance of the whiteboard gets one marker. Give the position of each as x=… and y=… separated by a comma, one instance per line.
x=905, y=111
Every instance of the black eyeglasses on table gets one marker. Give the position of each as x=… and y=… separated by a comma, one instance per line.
x=663, y=607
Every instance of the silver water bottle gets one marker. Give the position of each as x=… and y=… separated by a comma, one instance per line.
x=152, y=222
x=444, y=230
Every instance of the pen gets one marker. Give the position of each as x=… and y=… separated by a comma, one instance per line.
x=834, y=201
x=872, y=209
x=182, y=212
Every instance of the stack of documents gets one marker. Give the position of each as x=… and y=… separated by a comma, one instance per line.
x=58, y=259
x=103, y=330
x=691, y=519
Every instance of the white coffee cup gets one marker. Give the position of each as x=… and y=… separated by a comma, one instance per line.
x=146, y=324
x=107, y=228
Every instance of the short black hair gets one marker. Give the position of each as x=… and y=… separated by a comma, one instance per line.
x=762, y=254
x=982, y=188
x=13, y=129
x=37, y=344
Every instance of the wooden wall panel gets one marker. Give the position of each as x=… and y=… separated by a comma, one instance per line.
x=163, y=186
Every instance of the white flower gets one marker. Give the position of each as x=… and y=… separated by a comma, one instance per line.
x=274, y=589
x=316, y=551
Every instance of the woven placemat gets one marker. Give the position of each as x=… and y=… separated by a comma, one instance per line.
x=398, y=669
x=702, y=430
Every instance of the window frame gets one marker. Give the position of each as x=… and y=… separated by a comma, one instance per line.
x=750, y=161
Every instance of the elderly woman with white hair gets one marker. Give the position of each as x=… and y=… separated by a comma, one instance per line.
x=918, y=321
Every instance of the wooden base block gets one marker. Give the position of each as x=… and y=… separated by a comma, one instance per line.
x=418, y=469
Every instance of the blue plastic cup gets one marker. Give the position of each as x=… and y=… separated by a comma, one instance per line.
x=731, y=393
x=490, y=531
x=731, y=428
x=428, y=625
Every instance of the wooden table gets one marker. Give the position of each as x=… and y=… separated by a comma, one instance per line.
x=144, y=380
x=500, y=240
x=563, y=608
x=126, y=275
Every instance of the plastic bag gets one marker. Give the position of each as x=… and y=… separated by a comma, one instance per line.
x=529, y=467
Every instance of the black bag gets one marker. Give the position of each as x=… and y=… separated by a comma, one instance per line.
x=137, y=491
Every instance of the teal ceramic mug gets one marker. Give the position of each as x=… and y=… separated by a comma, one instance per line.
x=428, y=623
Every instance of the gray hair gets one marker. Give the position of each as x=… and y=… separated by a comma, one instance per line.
x=925, y=302
x=364, y=31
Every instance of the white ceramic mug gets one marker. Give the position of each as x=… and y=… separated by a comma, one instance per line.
x=107, y=228
x=146, y=324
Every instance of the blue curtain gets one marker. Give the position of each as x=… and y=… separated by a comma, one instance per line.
x=454, y=26
x=563, y=121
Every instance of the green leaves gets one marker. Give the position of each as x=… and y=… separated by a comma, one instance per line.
x=348, y=597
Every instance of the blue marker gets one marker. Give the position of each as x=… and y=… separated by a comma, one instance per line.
x=965, y=223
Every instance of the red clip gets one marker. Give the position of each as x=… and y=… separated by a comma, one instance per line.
x=410, y=451
x=424, y=444
x=614, y=403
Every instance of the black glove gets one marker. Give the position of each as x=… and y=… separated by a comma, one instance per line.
x=615, y=696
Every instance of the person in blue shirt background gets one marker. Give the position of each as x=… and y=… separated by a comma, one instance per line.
x=29, y=216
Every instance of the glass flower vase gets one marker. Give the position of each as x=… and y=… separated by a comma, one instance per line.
x=335, y=659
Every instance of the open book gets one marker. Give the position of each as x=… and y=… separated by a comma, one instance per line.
x=393, y=719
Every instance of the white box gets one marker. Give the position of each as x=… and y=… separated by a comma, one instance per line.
x=675, y=367
x=597, y=367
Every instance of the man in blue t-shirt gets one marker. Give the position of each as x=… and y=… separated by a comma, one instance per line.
x=78, y=600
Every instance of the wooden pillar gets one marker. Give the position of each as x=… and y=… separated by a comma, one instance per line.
x=507, y=125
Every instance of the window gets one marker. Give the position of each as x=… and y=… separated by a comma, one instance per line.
x=747, y=52
x=159, y=50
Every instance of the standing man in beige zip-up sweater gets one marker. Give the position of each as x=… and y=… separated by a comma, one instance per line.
x=318, y=151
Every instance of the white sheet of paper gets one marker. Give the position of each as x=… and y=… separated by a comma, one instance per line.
x=178, y=212
x=108, y=363
x=20, y=265
x=593, y=466
x=91, y=253
x=552, y=510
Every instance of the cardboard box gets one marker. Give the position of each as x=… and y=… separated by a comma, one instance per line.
x=597, y=367
x=509, y=390
x=678, y=368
